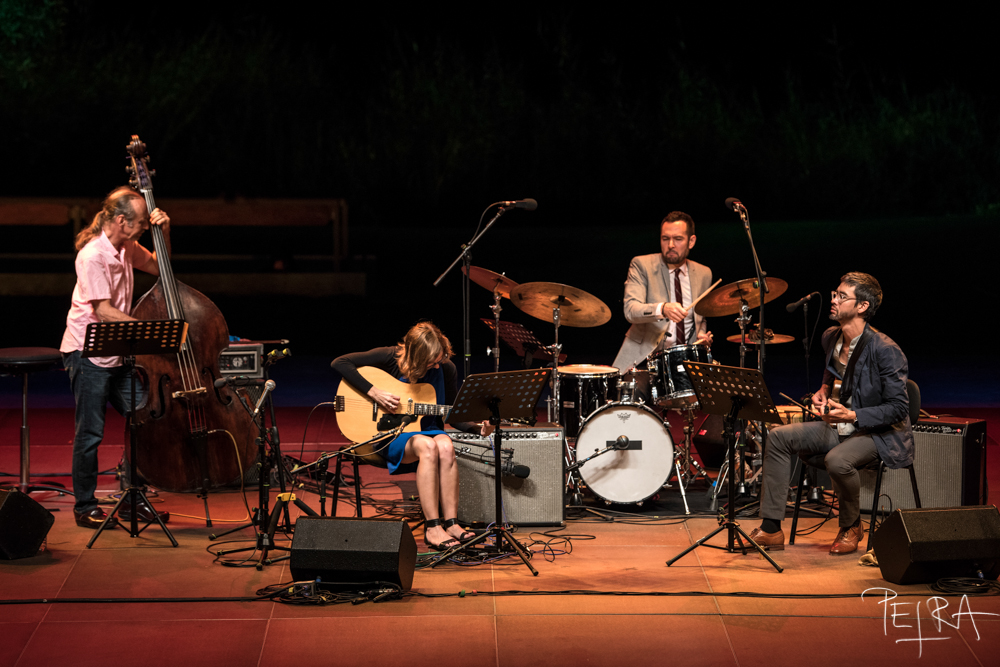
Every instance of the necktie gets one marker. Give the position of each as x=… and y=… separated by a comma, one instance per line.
x=679, y=295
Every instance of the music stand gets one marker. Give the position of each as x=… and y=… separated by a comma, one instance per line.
x=127, y=340
x=736, y=393
x=481, y=398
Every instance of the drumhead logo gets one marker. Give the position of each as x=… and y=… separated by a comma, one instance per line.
x=624, y=416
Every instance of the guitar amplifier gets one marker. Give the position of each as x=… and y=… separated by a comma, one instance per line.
x=950, y=464
x=535, y=498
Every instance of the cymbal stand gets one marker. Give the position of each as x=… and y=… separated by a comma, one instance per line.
x=554, y=406
x=495, y=350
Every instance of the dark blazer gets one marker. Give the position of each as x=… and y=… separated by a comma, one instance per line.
x=878, y=394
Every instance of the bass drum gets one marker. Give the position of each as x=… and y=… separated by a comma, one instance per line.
x=633, y=474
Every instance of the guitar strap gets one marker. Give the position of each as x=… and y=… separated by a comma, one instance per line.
x=847, y=384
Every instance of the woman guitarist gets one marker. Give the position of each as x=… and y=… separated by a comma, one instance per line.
x=424, y=356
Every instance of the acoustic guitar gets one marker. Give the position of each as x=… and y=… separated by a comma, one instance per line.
x=361, y=418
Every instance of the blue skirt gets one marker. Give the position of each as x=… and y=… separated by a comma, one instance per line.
x=393, y=454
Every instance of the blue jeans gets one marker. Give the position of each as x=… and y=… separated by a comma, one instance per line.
x=93, y=387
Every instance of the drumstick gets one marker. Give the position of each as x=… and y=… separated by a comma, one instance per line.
x=703, y=294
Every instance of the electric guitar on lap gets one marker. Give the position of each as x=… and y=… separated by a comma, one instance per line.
x=363, y=419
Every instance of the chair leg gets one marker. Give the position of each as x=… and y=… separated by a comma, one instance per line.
x=336, y=486
x=876, y=494
x=798, y=501
x=357, y=487
x=913, y=483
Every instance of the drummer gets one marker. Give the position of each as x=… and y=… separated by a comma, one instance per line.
x=656, y=291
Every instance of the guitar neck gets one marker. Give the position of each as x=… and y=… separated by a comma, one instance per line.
x=424, y=409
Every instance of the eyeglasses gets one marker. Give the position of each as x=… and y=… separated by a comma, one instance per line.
x=840, y=297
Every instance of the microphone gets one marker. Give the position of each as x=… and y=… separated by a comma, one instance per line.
x=792, y=307
x=734, y=204
x=511, y=469
x=622, y=442
x=268, y=387
x=526, y=204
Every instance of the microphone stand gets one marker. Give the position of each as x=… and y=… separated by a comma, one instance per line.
x=466, y=258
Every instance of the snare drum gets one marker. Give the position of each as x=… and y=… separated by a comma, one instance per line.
x=582, y=389
x=669, y=385
x=630, y=475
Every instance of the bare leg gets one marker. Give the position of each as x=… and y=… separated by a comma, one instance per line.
x=424, y=449
x=448, y=476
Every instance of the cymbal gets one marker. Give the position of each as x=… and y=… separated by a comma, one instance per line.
x=576, y=307
x=490, y=280
x=725, y=300
x=753, y=337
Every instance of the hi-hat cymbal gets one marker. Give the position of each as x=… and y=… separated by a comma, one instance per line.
x=725, y=300
x=490, y=280
x=753, y=337
x=576, y=307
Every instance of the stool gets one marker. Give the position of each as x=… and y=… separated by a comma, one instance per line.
x=24, y=361
x=371, y=459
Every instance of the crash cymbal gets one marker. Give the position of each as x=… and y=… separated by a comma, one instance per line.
x=490, y=280
x=753, y=337
x=576, y=307
x=725, y=300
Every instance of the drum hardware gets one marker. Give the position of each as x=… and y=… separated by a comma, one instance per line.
x=501, y=286
x=546, y=301
x=770, y=338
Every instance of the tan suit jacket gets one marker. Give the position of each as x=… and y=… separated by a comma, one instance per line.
x=647, y=286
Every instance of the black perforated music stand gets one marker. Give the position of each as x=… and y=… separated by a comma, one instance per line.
x=128, y=340
x=488, y=396
x=735, y=393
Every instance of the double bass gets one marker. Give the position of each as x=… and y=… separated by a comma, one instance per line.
x=183, y=445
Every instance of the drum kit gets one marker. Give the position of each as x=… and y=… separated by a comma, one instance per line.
x=617, y=445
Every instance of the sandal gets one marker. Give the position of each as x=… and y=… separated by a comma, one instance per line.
x=447, y=545
x=467, y=535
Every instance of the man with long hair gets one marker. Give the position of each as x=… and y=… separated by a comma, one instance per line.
x=107, y=252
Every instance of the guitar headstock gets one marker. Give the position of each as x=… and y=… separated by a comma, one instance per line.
x=140, y=176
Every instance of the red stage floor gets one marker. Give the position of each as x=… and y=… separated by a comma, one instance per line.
x=699, y=611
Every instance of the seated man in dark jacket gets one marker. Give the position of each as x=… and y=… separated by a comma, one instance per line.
x=869, y=419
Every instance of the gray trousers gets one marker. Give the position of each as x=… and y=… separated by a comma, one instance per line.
x=842, y=462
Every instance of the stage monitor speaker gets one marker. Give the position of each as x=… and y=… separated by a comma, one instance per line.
x=23, y=525
x=924, y=545
x=950, y=463
x=535, y=500
x=349, y=554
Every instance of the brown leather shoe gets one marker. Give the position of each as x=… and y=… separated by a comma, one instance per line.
x=848, y=539
x=145, y=513
x=769, y=541
x=93, y=518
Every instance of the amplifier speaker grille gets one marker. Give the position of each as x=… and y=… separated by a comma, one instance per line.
x=536, y=500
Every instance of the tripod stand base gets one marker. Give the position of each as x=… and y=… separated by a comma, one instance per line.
x=735, y=532
x=134, y=495
x=500, y=534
